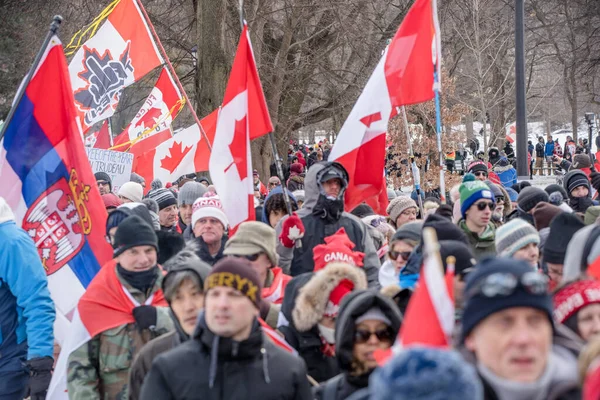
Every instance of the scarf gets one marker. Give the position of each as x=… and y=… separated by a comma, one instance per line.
x=142, y=281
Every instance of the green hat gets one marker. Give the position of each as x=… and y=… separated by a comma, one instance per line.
x=472, y=190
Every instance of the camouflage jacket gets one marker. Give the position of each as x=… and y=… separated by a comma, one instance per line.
x=99, y=369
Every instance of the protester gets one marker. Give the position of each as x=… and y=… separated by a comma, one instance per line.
x=508, y=327
x=322, y=214
x=137, y=179
x=577, y=185
x=204, y=181
x=402, y=210
x=167, y=208
x=209, y=225
x=259, y=186
x=367, y=321
x=188, y=194
x=540, y=149
x=562, y=229
x=104, y=182
x=430, y=205
x=477, y=204
x=543, y=214
x=111, y=202
x=183, y=288
x=506, y=172
x=275, y=208
x=228, y=356
x=503, y=206
x=296, y=180
x=26, y=314
x=529, y=198
x=99, y=368
x=274, y=182
x=548, y=153
x=299, y=196
x=256, y=242
x=479, y=169
x=519, y=240
x=131, y=192
x=577, y=306
x=401, y=246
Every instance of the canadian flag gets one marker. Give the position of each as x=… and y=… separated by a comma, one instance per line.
x=243, y=116
x=185, y=153
x=404, y=75
x=102, y=139
x=152, y=124
x=119, y=54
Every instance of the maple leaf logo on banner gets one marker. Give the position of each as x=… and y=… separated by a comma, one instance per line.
x=176, y=154
x=150, y=118
x=238, y=148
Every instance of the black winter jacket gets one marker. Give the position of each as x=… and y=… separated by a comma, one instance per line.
x=210, y=367
x=204, y=254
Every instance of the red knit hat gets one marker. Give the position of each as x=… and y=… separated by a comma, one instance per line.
x=335, y=297
x=111, y=200
x=337, y=248
x=575, y=296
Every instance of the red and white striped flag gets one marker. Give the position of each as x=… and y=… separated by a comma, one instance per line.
x=276, y=337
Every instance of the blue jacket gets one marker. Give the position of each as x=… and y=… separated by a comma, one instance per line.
x=549, y=149
x=26, y=309
x=506, y=173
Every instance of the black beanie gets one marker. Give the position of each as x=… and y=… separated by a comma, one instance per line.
x=478, y=306
x=529, y=197
x=465, y=260
x=163, y=197
x=103, y=176
x=445, y=229
x=562, y=229
x=236, y=273
x=574, y=179
x=556, y=188
x=362, y=210
x=133, y=232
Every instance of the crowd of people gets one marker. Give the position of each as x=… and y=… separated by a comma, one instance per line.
x=297, y=306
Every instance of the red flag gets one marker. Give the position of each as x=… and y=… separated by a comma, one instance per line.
x=243, y=116
x=404, y=75
x=276, y=337
x=100, y=139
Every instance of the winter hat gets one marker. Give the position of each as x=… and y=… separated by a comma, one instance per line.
x=296, y=168
x=543, y=214
x=132, y=191
x=514, y=235
x=552, y=188
x=204, y=179
x=425, y=373
x=556, y=199
x=111, y=200
x=209, y=207
x=362, y=210
x=190, y=192
x=581, y=161
x=445, y=229
x=132, y=232
x=116, y=217
x=562, y=229
x=530, y=196
x=495, y=189
x=477, y=166
x=163, y=197
x=574, y=179
x=410, y=231
x=253, y=237
x=337, y=248
x=103, y=176
x=151, y=204
x=512, y=194
x=137, y=178
x=375, y=314
x=472, y=190
x=391, y=194
x=156, y=184
x=479, y=305
x=575, y=296
x=398, y=205
x=591, y=215
x=465, y=260
x=185, y=260
x=238, y=274
x=299, y=195
x=140, y=210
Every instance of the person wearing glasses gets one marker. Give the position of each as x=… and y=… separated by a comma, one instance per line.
x=508, y=326
x=479, y=169
x=367, y=321
x=104, y=183
x=477, y=204
x=519, y=240
x=402, y=210
x=401, y=246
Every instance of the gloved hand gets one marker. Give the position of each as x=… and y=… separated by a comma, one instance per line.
x=145, y=316
x=40, y=373
x=292, y=229
x=595, y=179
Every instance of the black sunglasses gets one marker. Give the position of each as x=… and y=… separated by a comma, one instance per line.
x=503, y=284
x=394, y=254
x=383, y=335
x=250, y=257
x=480, y=173
x=483, y=205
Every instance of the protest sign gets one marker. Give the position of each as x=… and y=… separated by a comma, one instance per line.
x=116, y=164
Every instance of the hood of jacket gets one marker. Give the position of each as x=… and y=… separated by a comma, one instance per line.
x=6, y=213
x=186, y=260
x=277, y=190
x=312, y=186
x=353, y=306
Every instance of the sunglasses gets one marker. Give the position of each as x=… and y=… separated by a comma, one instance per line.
x=503, y=284
x=383, y=335
x=377, y=221
x=480, y=173
x=102, y=183
x=482, y=206
x=499, y=199
x=250, y=257
x=395, y=254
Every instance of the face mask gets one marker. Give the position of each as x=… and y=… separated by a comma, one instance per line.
x=327, y=333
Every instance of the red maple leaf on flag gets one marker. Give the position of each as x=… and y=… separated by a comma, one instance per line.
x=149, y=119
x=238, y=148
x=176, y=154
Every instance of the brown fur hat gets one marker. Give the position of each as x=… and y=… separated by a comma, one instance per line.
x=313, y=297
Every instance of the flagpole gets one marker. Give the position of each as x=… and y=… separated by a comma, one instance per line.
x=438, y=126
x=170, y=66
x=413, y=164
x=56, y=21
x=110, y=135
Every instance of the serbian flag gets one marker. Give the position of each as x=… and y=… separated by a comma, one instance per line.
x=244, y=116
x=105, y=305
x=185, y=153
x=101, y=139
x=48, y=182
x=120, y=53
x=404, y=75
x=151, y=126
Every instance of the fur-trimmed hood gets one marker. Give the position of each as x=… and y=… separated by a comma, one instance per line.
x=313, y=297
